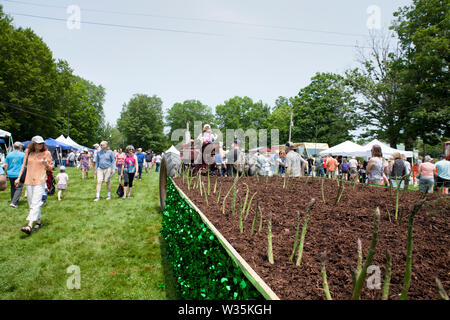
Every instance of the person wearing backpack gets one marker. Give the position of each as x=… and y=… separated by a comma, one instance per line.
x=398, y=170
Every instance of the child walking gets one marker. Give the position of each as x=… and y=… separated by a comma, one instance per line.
x=62, y=178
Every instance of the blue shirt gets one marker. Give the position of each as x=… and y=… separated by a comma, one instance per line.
x=140, y=157
x=14, y=160
x=105, y=160
x=443, y=168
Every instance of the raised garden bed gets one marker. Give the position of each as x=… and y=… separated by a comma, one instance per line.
x=334, y=228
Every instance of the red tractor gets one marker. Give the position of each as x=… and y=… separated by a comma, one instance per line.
x=199, y=157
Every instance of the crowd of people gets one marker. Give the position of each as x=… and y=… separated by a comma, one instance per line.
x=397, y=171
x=32, y=170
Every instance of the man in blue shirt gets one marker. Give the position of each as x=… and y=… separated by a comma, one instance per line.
x=443, y=174
x=13, y=164
x=105, y=166
x=140, y=156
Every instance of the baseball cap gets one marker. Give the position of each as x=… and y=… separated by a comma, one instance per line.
x=96, y=145
x=442, y=156
x=18, y=144
x=37, y=139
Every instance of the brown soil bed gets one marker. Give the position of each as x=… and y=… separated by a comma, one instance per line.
x=334, y=228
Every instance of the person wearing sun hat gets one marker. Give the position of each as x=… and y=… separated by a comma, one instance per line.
x=38, y=161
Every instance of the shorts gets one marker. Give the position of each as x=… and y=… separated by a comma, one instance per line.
x=103, y=174
x=61, y=186
x=426, y=183
x=147, y=165
x=353, y=171
x=441, y=182
x=119, y=168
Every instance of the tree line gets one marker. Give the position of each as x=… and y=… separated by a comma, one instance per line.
x=40, y=95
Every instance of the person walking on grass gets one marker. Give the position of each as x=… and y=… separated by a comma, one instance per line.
x=129, y=171
x=62, y=178
x=148, y=161
x=13, y=164
x=140, y=156
x=332, y=167
x=85, y=164
x=353, y=169
x=427, y=171
x=345, y=168
x=376, y=168
x=157, y=162
x=294, y=162
x=398, y=170
x=443, y=174
x=120, y=160
x=3, y=183
x=38, y=161
x=105, y=166
x=94, y=156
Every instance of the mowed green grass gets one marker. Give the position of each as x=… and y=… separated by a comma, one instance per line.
x=116, y=244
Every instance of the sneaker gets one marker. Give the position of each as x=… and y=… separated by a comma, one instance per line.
x=12, y=205
x=108, y=198
x=96, y=199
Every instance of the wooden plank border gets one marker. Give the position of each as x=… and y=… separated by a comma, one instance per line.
x=254, y=278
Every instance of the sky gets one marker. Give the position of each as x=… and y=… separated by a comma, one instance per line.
x=208, y=50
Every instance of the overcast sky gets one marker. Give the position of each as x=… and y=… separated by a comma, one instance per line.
x=208, y=50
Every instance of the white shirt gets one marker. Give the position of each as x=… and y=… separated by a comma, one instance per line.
x=353, y=163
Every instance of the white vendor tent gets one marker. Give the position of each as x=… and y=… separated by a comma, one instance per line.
x=70, y=142
x=344, y=149
x=8, y=140
x=74, y=144
x=387, y=150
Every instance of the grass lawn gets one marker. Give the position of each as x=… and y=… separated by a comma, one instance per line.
x=115, y=243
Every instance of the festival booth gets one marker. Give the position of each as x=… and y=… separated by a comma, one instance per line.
x=6, y=140
x=366, y=151
x=345, y=149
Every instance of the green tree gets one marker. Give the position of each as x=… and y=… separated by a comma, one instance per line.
x=28, y=83
x=141, y=122
x=324, y=111
x=189, y=110
x=242, y=113
x=377, y=85
x=280, y=118
x=423, y=32
x=41, y=96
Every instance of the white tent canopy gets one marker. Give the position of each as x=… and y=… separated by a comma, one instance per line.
x=69, y=141
x=4, y=134
x=387, y=150
x=9, y=139
x=344, y=149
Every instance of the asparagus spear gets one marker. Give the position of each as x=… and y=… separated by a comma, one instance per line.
x=409, y=248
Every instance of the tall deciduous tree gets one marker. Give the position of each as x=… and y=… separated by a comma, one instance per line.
x=189, y=110
x=324, y=111
x=377, y=85
x=242, y=113
x=423, y=31
x=141, y=122
x=280, y=118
